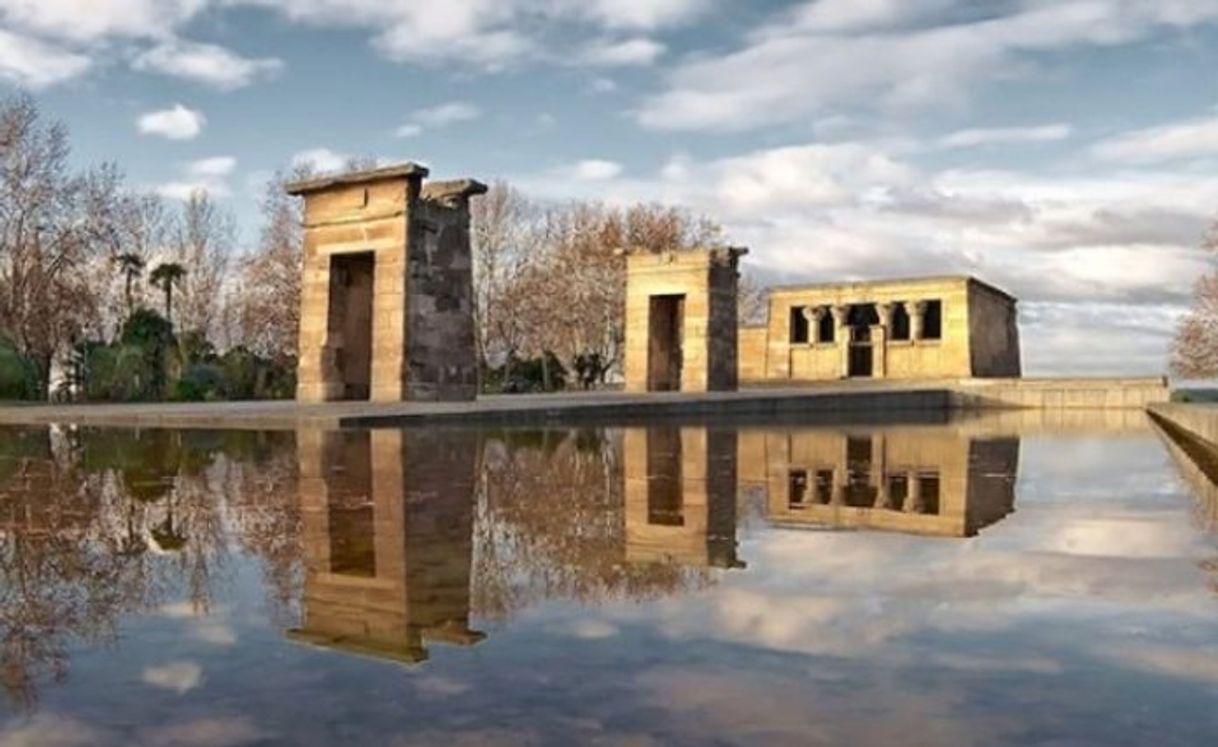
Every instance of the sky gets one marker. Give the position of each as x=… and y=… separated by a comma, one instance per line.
x=1064, y=150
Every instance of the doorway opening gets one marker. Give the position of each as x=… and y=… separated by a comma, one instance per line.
x=665, y=494
x=859, y=320
x=350, y=321
x=666, y=324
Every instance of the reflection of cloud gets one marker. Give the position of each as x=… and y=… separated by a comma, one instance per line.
x=733, y=707
x=47, y=730
x=215, y=632
x=210, y=627
x=439, y=686
x=591, y=629
x=1190, y=663
x=206, y=732
x=179, y=676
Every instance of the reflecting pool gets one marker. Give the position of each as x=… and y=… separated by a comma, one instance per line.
x=1013, y=578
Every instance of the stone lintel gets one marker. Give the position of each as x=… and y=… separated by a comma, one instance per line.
x=407, y=170
x=453, y=189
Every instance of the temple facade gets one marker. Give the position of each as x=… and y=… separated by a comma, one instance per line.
x=943, y=327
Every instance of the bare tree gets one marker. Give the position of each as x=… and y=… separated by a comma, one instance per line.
x=57, y=232
x=1194, y=351
x=502, y=231
x=752, y=301
x=204, y=238
x=268, y=298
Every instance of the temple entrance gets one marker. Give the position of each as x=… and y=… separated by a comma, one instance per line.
x=859, y=320
x=666, y=323
x=350, y=321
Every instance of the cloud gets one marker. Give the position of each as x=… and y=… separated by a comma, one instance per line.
x=1003, y=135
x=439, y=116
x=622, y=53
x=595, y=170
x=209, y=64
x=104, y=19
x=1193, y=138
x=207, y=175
x=178, y=676
x=826, y=57
x=322, y=159
x=26, y=61
x=175, y=123
x=494, y=34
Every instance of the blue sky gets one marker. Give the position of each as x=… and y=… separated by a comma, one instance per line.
x=1062, y=149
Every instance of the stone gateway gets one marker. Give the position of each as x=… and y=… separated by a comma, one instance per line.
x=387, y=293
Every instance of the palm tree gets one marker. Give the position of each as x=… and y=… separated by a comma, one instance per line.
x=165, y=276
x=132, y=266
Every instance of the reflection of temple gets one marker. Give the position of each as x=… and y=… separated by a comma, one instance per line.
x=681, y=496
x=388, y=522
x=923, y=481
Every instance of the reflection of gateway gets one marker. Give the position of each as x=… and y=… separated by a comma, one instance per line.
x=388, y=540
x=919, y=481
x=681, y=496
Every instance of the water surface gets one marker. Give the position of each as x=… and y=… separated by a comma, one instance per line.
x=1007, y=579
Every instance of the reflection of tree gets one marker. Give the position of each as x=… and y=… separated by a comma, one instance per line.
x=550, y=523
x=80, y=512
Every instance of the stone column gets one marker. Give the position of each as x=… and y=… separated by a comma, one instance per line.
x=878, y=470
x=913, y=494
x=879, y=340
x=841, y=336
x=916, y=313
x=813, y=315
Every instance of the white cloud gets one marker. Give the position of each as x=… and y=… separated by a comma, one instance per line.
x=210, y=64
x=889, y=55
x=207, y=175
x=602, y=85
x=439, y=116
x=67, y=19
x=490, y=34
x=595, y=170
x=322, y=159
x=175, y=123
x=1001, y=135
x=178, y=676
x=1189, y=139
x=29, y=62
x=606, y=53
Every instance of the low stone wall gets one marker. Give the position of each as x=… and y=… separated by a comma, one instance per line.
x=1199, y=422
x=1091, y=394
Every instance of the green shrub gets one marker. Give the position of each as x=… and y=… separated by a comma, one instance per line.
x=18, y=375
x=200, y=382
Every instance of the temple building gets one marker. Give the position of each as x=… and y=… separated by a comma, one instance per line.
x=942, y=327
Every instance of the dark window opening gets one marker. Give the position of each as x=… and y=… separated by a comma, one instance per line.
x=826, y=329
x=928, y=485
x=900, y=322
x=898, y=491
x=932, y=321
x=862, y=315
x=799, y=325
x=797, y=488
